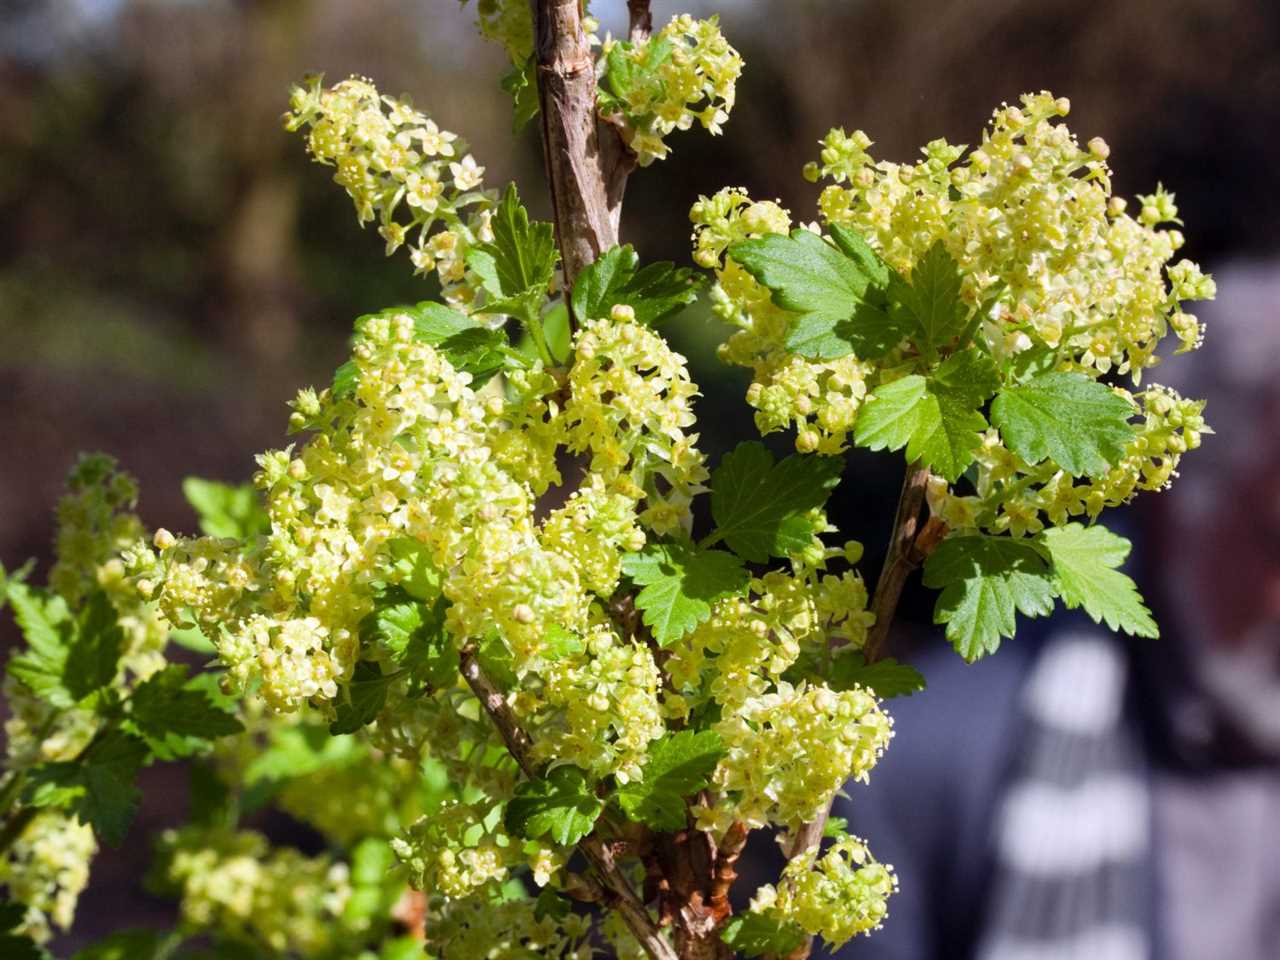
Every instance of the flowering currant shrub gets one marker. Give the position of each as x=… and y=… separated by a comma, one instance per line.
x=468, y=624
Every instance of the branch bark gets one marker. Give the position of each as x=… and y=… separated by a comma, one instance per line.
x=903, y=558
x=901, y=561
x=617, y=890
x=641, y=17
x=578, y=171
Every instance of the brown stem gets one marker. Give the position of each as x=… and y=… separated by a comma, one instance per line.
x=495, y=705
x=617, y=890
x=901, y=561
x=586, y=214
x=905, y=555
x=735, y=839
x=641, y=21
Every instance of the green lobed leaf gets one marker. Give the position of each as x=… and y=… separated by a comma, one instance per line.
x=679, y=765
x=562, y=805
x=521, y=83
x=412, y=632
x=65, y=660
x=755, y=934
x=551, y=904
x=98, y=788
x=938, y=419
x=94, y=655
x=556, y=333
x=985, y=581
x=759, y=506
x=680, y=582
x=1085, y=562
x=516, y=267
x=839, y=300
x=225, y=510
x=413, y=570
x=47, y=627
x=653, y=292
x=562, y=642
x=1078, y=423
x=885, y=677
x=481, y=353
x=624, y=77
x=298, y=751
x=363, y=698
x=932, y=299
x=497, y=661
x=175, y=716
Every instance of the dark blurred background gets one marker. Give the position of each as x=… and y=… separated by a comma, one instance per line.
x=173, y=268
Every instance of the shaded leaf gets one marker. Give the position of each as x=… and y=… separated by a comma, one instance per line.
x=755, y=934
x=654, y=292
x=759, y=506
x=98, y=788
x=885, y=677
x=362, y=698
x=225, y=510
x=679, y=765
x=175, y=716
x=562, y=806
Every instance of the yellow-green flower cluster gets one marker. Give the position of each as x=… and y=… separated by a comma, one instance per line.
x=404, y=458
x=237, y=885
x=748, y=643
x=396, y=164
x=603, y=706
x=694, y=80
x=444, y=858
x=594, y=528
x=819, y=398
x=843, y=893
x=1042, y=244
x=46, y=870
x=487, y=927
x=1018, y=498
x=629, y=408
x=96, y=523
x=48, y=864
x=789, y=751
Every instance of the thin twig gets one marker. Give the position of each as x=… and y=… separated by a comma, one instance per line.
x=617, y=890
x=901, y=561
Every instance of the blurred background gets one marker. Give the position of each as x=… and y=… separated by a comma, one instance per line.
x=173, y=268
